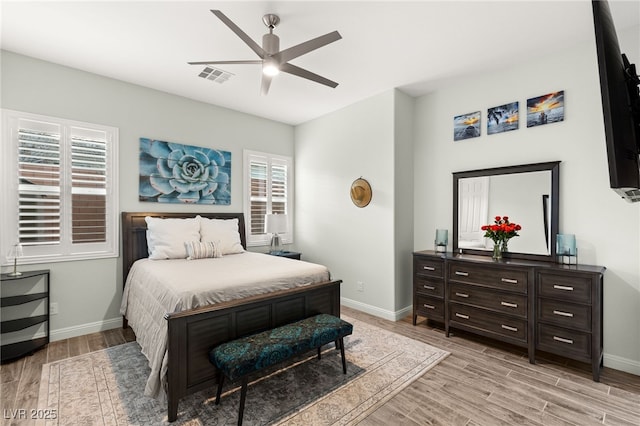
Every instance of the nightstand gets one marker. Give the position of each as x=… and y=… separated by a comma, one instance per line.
x=26, y=330
x=290, y=254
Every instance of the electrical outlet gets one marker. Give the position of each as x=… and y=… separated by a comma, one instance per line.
x=53, y=308
x=360, y=286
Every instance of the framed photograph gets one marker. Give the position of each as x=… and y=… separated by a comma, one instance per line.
x=545, y=109
x=466, y=126
x=176, y=173
x=503, y=118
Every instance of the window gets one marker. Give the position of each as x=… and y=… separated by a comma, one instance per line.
x=268, y=189
x=60, y=185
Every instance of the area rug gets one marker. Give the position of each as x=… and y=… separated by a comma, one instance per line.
x=106, y=387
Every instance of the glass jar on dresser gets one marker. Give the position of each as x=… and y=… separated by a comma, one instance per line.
x=533, y=304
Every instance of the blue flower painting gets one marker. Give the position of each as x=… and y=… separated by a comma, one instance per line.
x=176, y=173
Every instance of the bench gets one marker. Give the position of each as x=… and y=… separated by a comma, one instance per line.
x=239, y=358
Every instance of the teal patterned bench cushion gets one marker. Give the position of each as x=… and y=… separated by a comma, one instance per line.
x=252, y=353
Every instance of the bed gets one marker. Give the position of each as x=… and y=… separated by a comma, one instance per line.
x=184, y=336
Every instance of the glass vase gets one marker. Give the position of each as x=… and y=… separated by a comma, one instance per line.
x=497, y=251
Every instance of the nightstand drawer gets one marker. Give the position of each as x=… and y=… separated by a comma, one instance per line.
x=509, y=303
x=430, y=307
x=428, y=267
x=429, y=286
x=570, y=288
x=565, y=314
x=564, y=342
x=510, y=279
x=480, y=319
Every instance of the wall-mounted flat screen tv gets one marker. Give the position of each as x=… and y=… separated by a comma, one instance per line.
x=620, y=106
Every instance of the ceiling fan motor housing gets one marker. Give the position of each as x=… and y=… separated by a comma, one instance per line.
x=271, y=43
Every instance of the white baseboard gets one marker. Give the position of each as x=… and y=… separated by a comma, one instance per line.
x=374, y=310
x=623, y=364
x=82, y=329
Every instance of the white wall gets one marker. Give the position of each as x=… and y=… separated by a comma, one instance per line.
x=607, y=228
x=356, y=243
x=89, y=292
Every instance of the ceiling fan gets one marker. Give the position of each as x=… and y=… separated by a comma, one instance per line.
x=273, y=59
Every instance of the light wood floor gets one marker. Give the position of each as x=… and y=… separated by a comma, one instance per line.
x=482, y=382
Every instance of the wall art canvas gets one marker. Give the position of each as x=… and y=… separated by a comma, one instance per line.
x=176, y=173
x=503, y=118
x=545, y=109
x=466, y=126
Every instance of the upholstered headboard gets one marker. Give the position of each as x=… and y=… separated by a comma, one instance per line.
x=134, y=233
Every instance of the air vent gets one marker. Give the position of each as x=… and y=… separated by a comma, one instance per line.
x=214, y=74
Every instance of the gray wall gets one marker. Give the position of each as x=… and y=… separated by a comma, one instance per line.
x=88, y=293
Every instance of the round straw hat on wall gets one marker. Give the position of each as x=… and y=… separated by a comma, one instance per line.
x=360, y=192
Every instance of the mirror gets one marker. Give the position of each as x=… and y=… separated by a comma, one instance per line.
x=528, y=194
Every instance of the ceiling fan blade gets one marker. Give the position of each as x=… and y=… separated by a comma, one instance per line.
x=257, y=61
x=300, y=72
x=266, y=83
x=306, y=47
x=248, y=40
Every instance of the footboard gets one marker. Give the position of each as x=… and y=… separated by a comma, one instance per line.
x=192, y=334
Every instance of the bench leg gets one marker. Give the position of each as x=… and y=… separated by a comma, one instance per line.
x=219, y=392
x=243, y=396
x=319, y=353
x=344, y=360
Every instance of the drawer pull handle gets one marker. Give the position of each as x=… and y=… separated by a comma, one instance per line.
x=429, y=287
x=462, y=274
x=429, y=268
x=462, y=294
x=563, y=340
x=563, y=314
x=508, y=327
x=509, y=280
x=562, y=287
x=429, y=306
x=462, y=316
x=509, y=305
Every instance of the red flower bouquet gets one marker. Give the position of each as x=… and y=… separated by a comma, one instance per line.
x=500, y=233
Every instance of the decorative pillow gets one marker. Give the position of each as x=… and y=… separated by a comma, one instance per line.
x=224, y=232
x=199, y=250
x=166, y=237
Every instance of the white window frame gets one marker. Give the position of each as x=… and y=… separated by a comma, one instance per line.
x=65, y=250
x=265, y=239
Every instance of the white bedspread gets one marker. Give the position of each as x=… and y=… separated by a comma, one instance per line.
x=156, y=287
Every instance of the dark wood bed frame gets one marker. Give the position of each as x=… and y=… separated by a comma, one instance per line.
x=193, y=333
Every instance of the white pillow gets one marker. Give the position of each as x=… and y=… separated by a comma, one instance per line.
x=166, y=237
x=200, y=250
x=224, y=232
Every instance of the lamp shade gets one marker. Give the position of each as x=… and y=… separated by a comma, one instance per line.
x=275, y=223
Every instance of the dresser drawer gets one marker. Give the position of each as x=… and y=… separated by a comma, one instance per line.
x=564, y=342
x=565, y=314
x=570, y=288
x=509, y=303
x=430, y=307
x=429, y=286
x=479, y=319
x=428, y=266
x=511, y=279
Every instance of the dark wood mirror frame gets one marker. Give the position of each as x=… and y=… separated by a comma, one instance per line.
x=553, y=167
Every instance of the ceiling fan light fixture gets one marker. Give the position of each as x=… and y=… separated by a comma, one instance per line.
x=270, y=67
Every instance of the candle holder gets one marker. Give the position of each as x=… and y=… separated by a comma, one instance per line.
x=566, y=250
x=441, y=241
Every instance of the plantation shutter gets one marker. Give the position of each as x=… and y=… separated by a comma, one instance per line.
x=268, y=189
x=259, y=193
x=88, y=185
x=59, y=183
x=38, y=183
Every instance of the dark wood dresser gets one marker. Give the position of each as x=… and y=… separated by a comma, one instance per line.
x=537, y=305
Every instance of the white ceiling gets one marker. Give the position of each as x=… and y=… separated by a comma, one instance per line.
x=408, y=45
